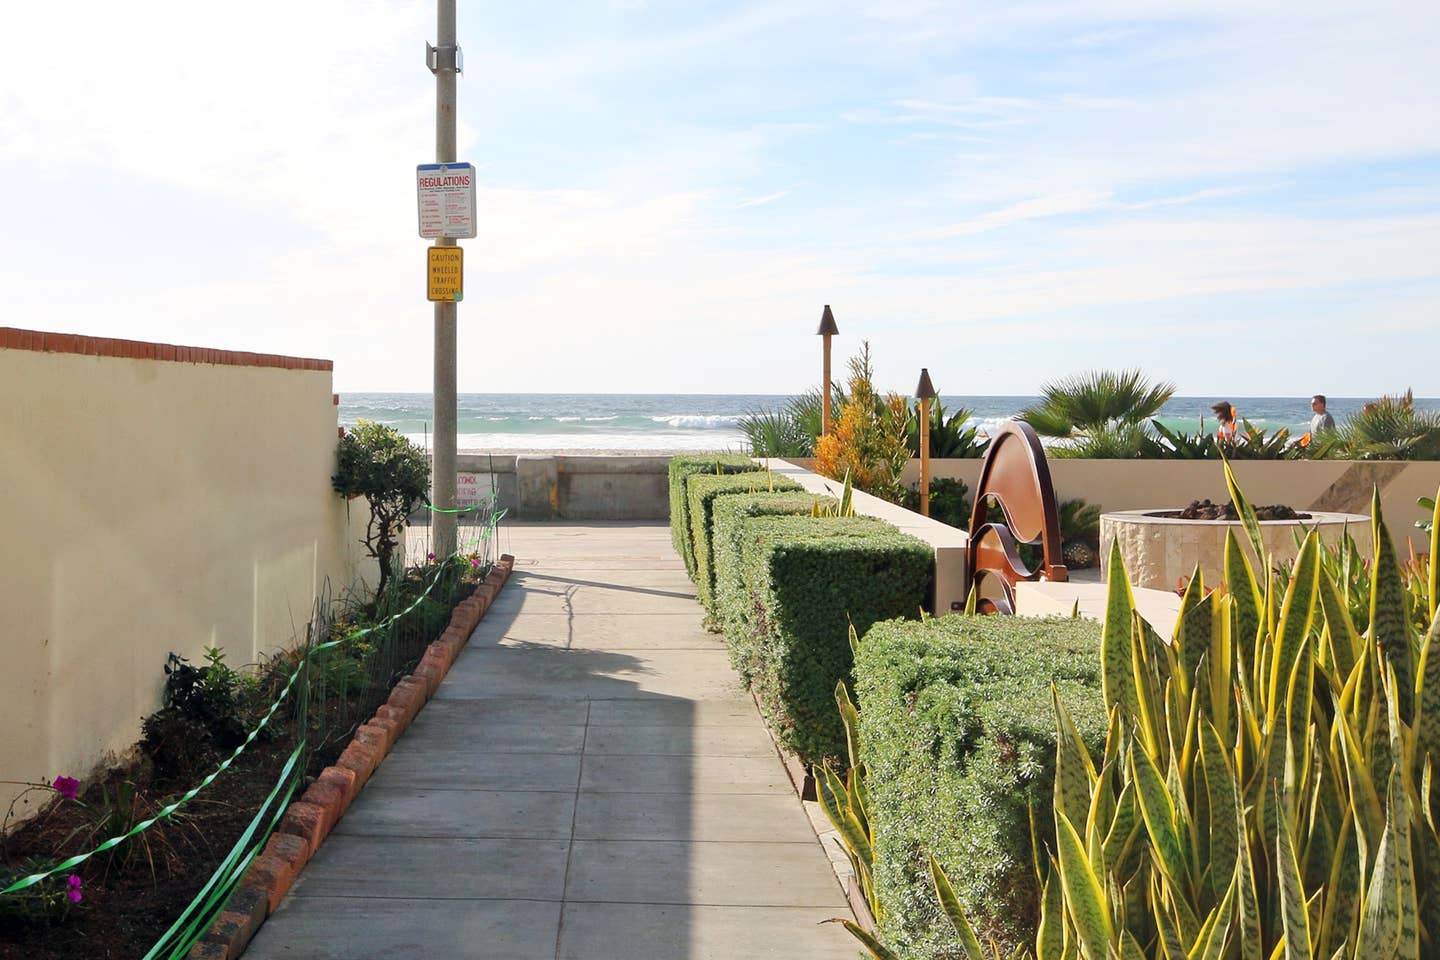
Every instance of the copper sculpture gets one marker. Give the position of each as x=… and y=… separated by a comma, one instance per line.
x=1016, y=476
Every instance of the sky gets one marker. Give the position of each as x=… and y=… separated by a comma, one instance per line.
x=1240, y=197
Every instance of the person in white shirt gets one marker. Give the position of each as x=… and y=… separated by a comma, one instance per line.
x=1321, y=420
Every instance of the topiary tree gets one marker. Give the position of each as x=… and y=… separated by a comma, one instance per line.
x=392, y=474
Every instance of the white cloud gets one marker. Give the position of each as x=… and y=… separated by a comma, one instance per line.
x=668, y=263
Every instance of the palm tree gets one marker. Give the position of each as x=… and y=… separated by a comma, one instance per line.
x=1095, y=402
x=1391, y=429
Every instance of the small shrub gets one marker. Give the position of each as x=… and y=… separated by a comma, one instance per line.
x=868, y=442
x=730, y=512
x=949, y=502
x=805, y=581
x=959, y=743
x=681, y=469
x=701, y=493
x=208, y=694
x=393, y=475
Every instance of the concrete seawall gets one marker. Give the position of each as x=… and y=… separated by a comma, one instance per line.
x=564, y=487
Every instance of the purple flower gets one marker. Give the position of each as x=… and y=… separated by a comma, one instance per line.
x=475, y=562
x=73, y=886
x=429, y=556
x=67, y=787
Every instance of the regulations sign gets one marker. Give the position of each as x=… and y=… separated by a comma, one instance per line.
x=445, y=193
x=446, y=273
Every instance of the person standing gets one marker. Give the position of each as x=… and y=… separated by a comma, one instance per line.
x=1322, y=420
x=1225, y=413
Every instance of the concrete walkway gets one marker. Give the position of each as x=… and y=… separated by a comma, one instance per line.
x=589, y=781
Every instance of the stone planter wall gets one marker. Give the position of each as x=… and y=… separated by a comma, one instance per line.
x=1161, y=552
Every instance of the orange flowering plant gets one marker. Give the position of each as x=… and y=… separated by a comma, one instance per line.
x=868, y=442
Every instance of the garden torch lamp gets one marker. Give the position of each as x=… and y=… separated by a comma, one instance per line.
x=827, y=330
x=925, y=392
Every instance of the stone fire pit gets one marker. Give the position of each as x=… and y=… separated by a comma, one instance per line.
x=1161, y=551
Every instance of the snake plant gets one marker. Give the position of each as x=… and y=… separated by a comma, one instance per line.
x=1267, y=788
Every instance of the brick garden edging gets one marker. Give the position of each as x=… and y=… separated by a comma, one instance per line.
x=309, y=820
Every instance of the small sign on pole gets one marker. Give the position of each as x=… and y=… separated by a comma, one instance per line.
x=446, y=274
x=445, y=193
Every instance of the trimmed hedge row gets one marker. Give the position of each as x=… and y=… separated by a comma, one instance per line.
x=732, y=606
x=807, y=579
x=702, y=491
x=683, y=467
x=959, y=740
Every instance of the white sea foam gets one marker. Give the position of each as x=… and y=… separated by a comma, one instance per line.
x=648, y=440
x=682, y=421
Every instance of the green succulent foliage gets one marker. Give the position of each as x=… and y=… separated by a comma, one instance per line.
x=1427, y=524
x=959, y=743
x=845, y=798
x=951, y=436
x=681, y=469
x=1265, y=788
x=702, y=491
x=805, y=581
x=733, y=610
x=392, y=474
x=1391, y=428
x=1255, y=443
x=1092, y=401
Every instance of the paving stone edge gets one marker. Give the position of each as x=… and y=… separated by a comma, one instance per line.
x=309, y=820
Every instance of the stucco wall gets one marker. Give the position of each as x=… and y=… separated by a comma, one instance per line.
x=151, y=505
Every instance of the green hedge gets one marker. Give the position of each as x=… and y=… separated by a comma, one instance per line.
x=808, y=578
x=958, y=735
x=729, y=513
x=687, y=466
x=702, y=491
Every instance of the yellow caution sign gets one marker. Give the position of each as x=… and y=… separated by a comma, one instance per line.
x=446, y=274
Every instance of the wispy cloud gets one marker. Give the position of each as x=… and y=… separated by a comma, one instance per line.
x=1097, y=179
x=761, y=201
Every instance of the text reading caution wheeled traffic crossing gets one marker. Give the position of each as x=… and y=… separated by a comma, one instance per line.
x=446, y=274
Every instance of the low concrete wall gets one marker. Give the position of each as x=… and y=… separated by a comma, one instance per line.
x=1162, y=552
x=546, y=487
x=951, y=572
x=159, y=499
x=1341, y=486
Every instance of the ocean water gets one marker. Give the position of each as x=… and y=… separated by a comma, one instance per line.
x=671, y=422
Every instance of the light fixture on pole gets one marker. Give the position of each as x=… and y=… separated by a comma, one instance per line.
x=925, y=392
x=827, y=330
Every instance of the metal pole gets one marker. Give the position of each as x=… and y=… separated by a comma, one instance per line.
x=443, y=478
x=825, y=393
x=925, y=456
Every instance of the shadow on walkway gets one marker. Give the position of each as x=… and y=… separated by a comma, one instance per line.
x=590, y=781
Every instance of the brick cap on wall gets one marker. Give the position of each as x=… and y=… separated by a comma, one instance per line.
x=15, y=338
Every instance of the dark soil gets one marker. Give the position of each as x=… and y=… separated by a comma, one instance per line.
x=126, y=907
x=1205, y=510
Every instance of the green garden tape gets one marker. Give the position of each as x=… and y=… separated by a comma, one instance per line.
x=170, y=808
x=192, y=920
